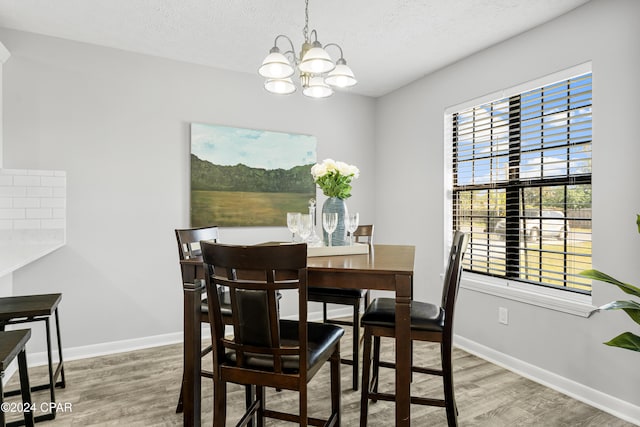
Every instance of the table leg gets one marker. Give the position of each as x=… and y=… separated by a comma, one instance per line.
x=192, y=362
x=403, y=350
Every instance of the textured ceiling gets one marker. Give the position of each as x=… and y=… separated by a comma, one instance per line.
x=387, y=43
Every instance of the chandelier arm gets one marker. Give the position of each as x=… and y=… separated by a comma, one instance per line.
x=336, y=45
x=314, y=34
x=275, y=42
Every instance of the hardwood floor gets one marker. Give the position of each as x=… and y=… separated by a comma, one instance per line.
x=141, y=388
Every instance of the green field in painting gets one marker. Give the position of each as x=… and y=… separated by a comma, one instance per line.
x=235, y=208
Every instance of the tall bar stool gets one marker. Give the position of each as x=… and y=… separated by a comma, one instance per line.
x=188, y=240
x=33, y=308
x=429, y=322
x=12, y=344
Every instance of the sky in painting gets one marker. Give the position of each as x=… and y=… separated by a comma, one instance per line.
x=229, y=146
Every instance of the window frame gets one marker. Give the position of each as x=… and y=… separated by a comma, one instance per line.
x=579, y=304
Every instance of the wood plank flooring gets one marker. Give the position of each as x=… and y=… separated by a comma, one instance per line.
x=141, y=388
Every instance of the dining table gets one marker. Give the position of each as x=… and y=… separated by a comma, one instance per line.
x=384, y=267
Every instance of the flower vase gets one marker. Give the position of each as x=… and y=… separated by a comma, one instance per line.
x=339, y=206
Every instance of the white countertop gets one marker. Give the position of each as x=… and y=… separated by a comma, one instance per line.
x=14, y=255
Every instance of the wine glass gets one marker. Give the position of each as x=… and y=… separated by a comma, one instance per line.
x=330, y=223
x=352, y=225
x=293, y=223
x=305, y=226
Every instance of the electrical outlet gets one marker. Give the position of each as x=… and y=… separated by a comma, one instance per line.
x=503, y=315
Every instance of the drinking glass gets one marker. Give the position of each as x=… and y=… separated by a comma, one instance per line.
x=305, y=226
x=330, y=223
x=352, y=225
x=293, y=222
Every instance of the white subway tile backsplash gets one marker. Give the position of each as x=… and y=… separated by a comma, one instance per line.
x=40, y=172
x=54, y=181
x=52, y=202
x=24, y=224
x=52, y=223
x=32, y=201
x=12, y=213
x=26, y=202
x=6, y=191
x=39, y=191
x=38, y=213
x=13, y=171
x=27, y=181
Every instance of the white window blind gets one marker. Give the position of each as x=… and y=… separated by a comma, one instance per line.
x=522, y=184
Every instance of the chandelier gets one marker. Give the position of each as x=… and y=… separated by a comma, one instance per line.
x=317, y=71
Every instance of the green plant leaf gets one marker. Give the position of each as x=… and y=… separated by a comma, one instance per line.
x=632, y=308
x=638, y=222
x=598, y=275
x=626, y=340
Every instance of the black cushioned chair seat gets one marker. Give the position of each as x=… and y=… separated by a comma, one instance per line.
x=321, y=338
x=424, y=316
x=340, y=292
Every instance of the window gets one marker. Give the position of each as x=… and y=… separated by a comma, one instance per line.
x=522, y=184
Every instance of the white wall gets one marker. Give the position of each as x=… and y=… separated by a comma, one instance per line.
x=409, y=136
x=118, y=123
x=6, y=281
x=4, y=56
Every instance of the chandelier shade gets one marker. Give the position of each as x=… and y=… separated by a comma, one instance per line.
x=317, y=88
x=316, y=61
x=341, y=76
x=276, y=66
x=280, y=86
x=317, y=72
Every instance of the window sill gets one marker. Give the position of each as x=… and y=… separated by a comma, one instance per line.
x=552, y=299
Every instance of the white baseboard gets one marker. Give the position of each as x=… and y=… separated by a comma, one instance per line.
x=588, y=395
x=103, y=349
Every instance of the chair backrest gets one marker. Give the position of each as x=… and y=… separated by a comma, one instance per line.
x=364, y=234
x=452, y=278
x=189, y=240
x=254, y=275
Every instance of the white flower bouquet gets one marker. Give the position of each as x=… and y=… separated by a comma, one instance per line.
x=334, y=178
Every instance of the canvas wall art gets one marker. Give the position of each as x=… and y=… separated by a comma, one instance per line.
x=248, y=177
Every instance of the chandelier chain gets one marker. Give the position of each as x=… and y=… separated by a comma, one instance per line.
x=305, y=30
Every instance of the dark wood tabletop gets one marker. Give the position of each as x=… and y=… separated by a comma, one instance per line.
x=385, y=267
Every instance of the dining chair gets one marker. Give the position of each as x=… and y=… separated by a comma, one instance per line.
x=350, y=297
x=265, y=350
x=429, y=322
x=188, y=240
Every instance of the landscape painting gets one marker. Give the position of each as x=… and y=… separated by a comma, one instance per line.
x=248, y=177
